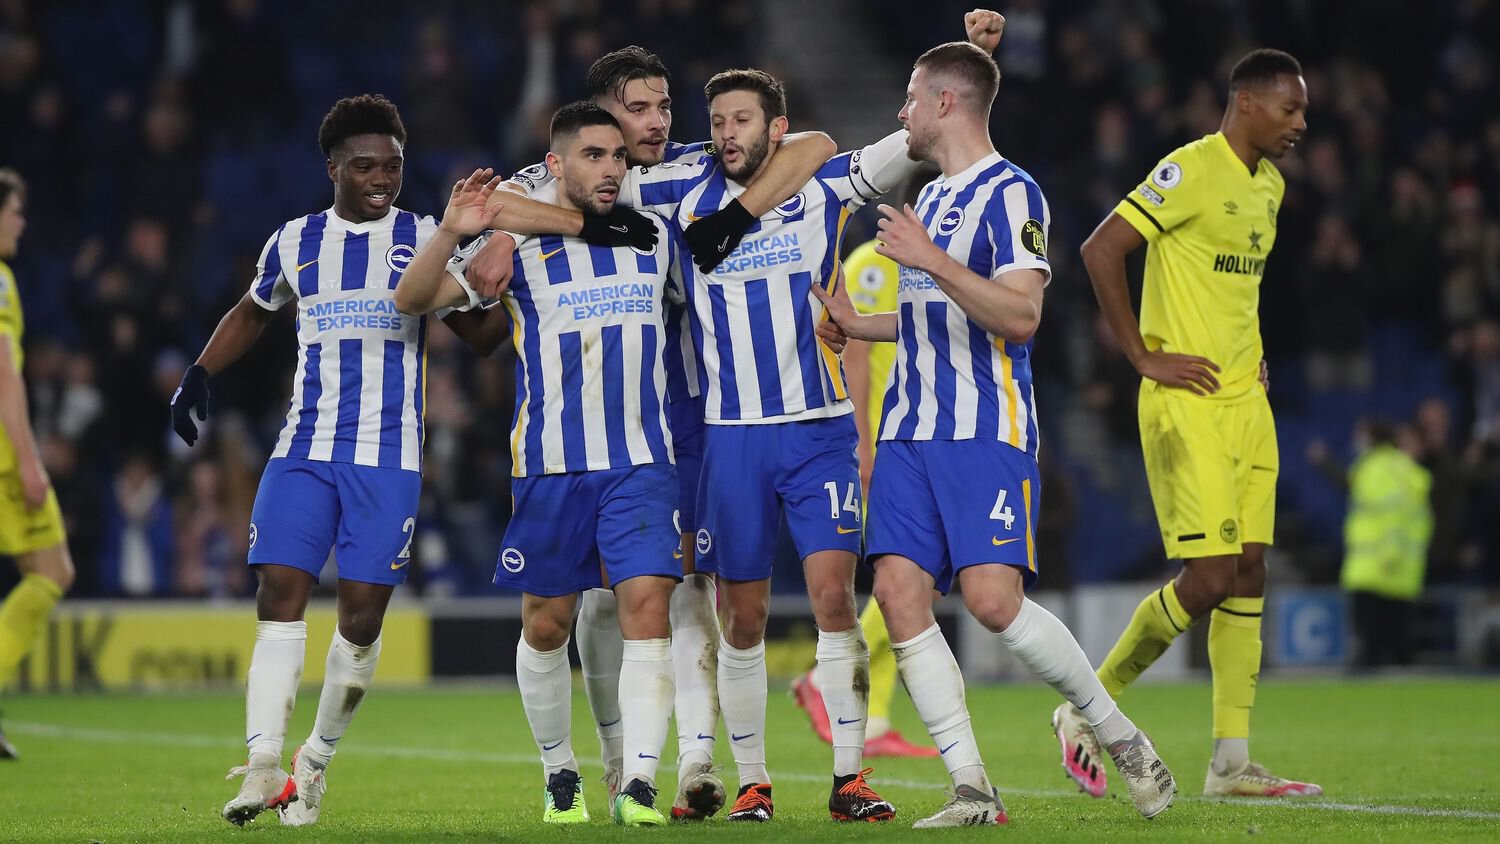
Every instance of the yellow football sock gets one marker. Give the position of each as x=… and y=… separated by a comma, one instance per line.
x=1158, y=620
x=882, y=663
x=21, y=617
x=1234, y=656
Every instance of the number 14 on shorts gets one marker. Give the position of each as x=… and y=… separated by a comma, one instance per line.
x=850, y=505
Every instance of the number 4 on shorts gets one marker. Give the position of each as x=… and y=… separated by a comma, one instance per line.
x=1003, y=513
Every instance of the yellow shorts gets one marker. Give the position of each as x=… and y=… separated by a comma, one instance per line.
x=23, y=530
x=1212, y=468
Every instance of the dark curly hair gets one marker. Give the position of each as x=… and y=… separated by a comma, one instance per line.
x=366, y=114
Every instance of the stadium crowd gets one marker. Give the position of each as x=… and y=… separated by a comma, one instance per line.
x=162, y=143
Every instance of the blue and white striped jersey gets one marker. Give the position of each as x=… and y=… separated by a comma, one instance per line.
x=678, y=355
x=759, y=358
x=587, y=326
x=357, y=394
x=952, y=379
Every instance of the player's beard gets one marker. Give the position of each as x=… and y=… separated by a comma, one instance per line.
x=587, y=199
x=752, y=157
x=918, y=146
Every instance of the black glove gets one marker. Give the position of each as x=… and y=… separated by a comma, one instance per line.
x=191, y=393
x=620, y=227
x=712, y=238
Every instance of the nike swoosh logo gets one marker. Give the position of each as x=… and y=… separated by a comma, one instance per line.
x=644, y=756
x=327, y=740
x=1087, y=705
x=301, y=267
x=995, y=540
x=843, y=530
x=399, y=565
x=546, y=255
x=620, y=229
x=948, y=748
x=252, y=738
x=693, y=218
x=842, y=722
x=733, y=737
x=724, y=244
x=677, y=555
x=702, y=737
x=611, y=723
x=551, y=746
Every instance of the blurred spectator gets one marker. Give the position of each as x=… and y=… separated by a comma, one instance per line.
x=1332, y=302
x=209, y=561
x=1450, y=484
x=440, y=105
x=138, y=541
x=1385, y=538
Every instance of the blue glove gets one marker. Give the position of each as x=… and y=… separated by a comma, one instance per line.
x=191, y=393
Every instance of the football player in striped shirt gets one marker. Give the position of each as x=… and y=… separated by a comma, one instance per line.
x=955, y=488
x=345, y=474
x=595, y=489
x=635, y=86
x=780, y=438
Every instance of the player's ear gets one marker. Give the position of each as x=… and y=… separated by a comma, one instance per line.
x=554, y=164
x=779, y=128
x=333, y=170
x=946, y=101
x=1244, y=100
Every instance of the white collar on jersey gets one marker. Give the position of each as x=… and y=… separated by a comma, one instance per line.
x=963, y=178
x=337, y=222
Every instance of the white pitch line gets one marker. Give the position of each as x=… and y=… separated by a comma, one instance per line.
x=438, y=754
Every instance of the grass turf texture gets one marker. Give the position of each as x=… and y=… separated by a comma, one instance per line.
x=1407, y=759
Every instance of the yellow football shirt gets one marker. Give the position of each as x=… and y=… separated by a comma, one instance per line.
x=11, y=326
x=1209, y=224
x=873, y=282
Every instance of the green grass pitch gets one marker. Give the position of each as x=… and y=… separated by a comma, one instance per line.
x=1399, y=760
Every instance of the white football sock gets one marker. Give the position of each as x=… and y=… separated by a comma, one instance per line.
x=271, y=688
x=600, y=651
x=932, y=678
x=546, y=686
x=1045, y=645
x=346, y=678
x=646, y=705
x=1230, y=755
x=742, y=699
x=695, y=669
x=843, y=676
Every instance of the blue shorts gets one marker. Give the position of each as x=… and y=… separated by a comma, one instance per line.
x=950, y=504
x=752, y=473
x=566, y=526
x=685, y=418
x=365, y=514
